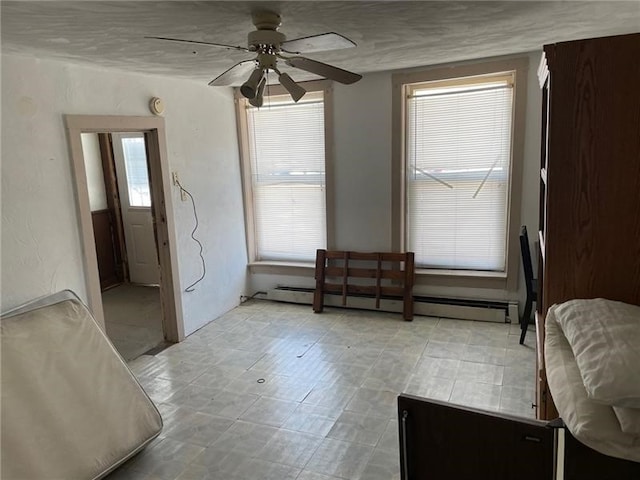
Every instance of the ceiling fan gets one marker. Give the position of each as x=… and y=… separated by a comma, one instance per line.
x=269, y=44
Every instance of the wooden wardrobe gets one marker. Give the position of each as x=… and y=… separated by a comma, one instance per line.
x=589, y=179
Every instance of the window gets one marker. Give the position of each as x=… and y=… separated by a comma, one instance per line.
x=135, y=161
x=285, y=177
x=458, y=157
x=458, y=150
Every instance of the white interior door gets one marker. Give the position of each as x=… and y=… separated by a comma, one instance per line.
x=135, y=201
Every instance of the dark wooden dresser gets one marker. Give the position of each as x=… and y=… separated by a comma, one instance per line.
x=589, y=179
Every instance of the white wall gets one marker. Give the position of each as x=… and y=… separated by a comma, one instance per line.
x=363, y=160
x=41, y=251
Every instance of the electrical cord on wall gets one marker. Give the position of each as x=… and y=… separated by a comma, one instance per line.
x=195, y=215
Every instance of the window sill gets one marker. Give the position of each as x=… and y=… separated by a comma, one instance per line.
x=459, y=273
x=273, y=267
x=461, y=278
x=424, y=276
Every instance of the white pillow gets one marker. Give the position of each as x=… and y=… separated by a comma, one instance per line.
x=629, y=419
x=592, y=423
x=605, y=339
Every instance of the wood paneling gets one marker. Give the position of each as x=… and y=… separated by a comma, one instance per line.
x=113, y=204
x=105, y=249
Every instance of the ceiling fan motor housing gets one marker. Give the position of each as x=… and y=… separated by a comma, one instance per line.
x=265, y=20
x=270, y=38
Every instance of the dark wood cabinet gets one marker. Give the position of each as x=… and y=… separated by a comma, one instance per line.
x=589, y=178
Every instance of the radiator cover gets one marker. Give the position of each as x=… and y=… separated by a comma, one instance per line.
x=467, y=309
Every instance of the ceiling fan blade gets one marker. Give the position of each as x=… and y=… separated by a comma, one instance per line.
x=324, y=70
x=229, y=47
x=317, y=43
x=235, y=74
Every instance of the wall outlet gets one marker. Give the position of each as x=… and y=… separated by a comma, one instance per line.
x=176, y=183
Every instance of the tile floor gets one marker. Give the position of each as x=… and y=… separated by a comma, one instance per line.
x=272, y=391
x=133, y=318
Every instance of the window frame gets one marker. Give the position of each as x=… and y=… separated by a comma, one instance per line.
x=283, y=266
x=507, y=280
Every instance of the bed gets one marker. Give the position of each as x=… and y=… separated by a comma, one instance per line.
x=71, y=408
x=592, y=361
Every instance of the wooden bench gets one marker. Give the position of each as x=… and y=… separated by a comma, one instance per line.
x=380, y=275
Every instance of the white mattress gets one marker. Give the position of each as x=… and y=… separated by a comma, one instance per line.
x=593, y=424
x=71, y=408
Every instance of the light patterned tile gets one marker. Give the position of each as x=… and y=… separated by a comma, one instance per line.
x=269, y=411
x=437, y=367
x=308, y=475
x=489, y=338
x=444, y=350
x=382, y=465
x=519, y=376
x=520, y=355
x=396, y=359
x=179, y=371
x=334, y=396
x=312, y=419
x=216, y=464
x=484, y=354
x=201, y=472
x=160, y=389
x=218, y=376
x=290, y=448
x=199, y=429
x=451, y=335
x=241, y=439
x=294, y=351
x=480, y=372
x=128, y=474
x=478, y=395
x=435, y=388
x=392, y=379
x=166, y=459
x=241, y=359
x=340, y=459
x=353, y=427
x=230, y=405
x=193, y=396
x=344, y=374
x=518, y=401
x=259, y=469
x=389, y=441
x=362, y=355
x=381, y=403
x=407, y=339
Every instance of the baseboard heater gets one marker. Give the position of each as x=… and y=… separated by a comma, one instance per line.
x=467, y=309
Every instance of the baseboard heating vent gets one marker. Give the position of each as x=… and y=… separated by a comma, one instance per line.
x=481, y=310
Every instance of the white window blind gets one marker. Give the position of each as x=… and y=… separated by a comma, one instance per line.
x=286, y=147
x=458, y=172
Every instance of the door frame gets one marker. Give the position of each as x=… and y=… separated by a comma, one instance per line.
x=160, y=180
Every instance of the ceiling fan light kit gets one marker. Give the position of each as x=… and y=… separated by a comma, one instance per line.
x=258, y=99
x=269, y=44
x=249, y=89
x=295, y=90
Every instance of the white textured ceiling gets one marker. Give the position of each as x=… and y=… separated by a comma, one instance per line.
x=389, y=35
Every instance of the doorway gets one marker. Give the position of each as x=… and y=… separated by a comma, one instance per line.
x=136, y=231
x=121, y=211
